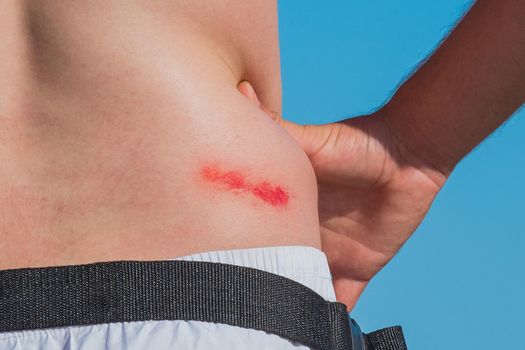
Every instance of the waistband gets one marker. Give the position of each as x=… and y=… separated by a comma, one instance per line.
x=303, y=264
x=127, y=291
x=123, y=291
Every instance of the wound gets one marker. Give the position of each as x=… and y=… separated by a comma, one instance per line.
x=234, y=181
x=273, y=195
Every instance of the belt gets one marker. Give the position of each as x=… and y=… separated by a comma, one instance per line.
x=126, y=291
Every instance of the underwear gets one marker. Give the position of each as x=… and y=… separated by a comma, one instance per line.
x=305, y=265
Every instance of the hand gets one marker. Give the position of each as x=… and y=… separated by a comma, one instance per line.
x=372, y=193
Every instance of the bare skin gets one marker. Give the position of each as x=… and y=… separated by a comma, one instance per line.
x=109, y=113
x=379, y=174
x=111, y=116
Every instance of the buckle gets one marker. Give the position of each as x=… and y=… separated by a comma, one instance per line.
x=358, y=340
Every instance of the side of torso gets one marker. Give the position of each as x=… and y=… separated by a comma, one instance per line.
x=123, y=136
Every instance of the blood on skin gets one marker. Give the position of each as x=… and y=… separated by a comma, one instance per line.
x=231, y=179
x=273, y=195
x=234, y=180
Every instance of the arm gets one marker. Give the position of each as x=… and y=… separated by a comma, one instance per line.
x=378, y=174
x=470, y=86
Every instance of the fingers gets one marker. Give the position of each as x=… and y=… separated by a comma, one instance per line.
x=302, y=134
x=273, y=114
x=299, y=132
x=348, y=291
x=309, y=137
x=247, y=90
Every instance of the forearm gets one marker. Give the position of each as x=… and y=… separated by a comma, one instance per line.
x=471, y=85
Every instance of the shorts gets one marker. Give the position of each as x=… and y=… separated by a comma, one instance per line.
x=305, y=265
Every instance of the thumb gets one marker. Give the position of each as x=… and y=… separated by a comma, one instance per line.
x=247, y=90
x=310, y=137
x=305, y=135
x=348, y=291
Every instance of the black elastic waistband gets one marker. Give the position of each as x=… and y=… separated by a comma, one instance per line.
x=122, y=291
x=126, y=291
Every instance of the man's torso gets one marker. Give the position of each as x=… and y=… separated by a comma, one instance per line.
x=110, y=114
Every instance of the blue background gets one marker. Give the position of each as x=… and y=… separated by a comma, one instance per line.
x=460, y=277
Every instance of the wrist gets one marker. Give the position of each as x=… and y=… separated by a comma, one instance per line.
x=415, y=149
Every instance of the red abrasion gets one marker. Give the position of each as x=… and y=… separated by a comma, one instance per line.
x=233, y=180
x=274, y=195
x=211, y=174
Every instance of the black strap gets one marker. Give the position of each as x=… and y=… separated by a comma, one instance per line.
x=125, y=291
x=386, y=339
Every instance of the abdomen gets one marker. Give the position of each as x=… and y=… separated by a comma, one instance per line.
x=134, y=143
